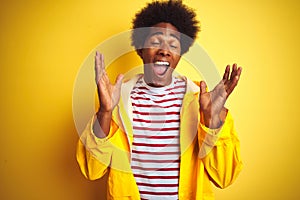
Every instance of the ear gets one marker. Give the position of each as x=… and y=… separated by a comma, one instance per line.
x=140, y=52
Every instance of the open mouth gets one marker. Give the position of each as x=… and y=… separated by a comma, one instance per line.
x=161, y=67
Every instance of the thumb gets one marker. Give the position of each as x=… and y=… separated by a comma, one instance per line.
x=119, y=80
x=202, y=87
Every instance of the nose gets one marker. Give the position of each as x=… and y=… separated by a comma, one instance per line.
x=164, y=50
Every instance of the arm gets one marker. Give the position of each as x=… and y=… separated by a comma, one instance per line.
x=94, y=149
x=220, y=152
x=219, y=145
x=108, y=95
x=212, y=103
x=93, y=154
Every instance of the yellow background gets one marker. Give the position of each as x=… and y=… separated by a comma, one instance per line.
x=43, y=44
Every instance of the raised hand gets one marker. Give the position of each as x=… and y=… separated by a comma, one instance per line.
x=212, y=103
x=108, y=94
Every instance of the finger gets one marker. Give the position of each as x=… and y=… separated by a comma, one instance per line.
x=238, y=75
x=97, y=59
x=235, y=74
x=239, y=71
x=234, y=71
x=233, y=83
x=103, y=73
x=202, y=87
x=102, y=65
x=119, y=80
x=226, y=73
x=97, y=66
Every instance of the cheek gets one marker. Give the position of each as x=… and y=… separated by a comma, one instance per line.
x=176, y=61
x=144, y=56
x=147, y=55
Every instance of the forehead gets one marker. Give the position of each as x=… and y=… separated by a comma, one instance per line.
x=165, y=29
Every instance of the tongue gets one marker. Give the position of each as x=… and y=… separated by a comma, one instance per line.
x=160, y=70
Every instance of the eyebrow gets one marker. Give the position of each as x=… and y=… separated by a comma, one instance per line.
x=161, y=33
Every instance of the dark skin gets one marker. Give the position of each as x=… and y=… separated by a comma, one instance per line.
x=163, y=45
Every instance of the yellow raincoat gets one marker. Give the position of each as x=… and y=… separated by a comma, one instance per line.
x=207, y=155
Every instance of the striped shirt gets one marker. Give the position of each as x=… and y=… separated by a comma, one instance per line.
x=155, y=149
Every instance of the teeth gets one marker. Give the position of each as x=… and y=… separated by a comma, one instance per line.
x=165, y=63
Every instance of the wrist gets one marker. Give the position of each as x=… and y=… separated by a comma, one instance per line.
x=102, y=124
x=213, y=122
x=101, y=114
x=104, y=111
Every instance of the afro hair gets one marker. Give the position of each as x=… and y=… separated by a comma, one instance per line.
x=171, y=11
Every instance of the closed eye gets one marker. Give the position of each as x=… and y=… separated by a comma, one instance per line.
x=155, y=43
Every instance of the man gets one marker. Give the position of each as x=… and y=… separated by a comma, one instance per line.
x=160, y=136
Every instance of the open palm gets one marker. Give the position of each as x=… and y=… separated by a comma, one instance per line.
x=212, y=103
x=108, y=94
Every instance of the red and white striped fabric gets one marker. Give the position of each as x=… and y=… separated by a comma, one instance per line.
x=155, y=150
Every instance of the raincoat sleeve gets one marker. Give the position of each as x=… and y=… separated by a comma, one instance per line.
x=220, y=152
x=94, y=154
